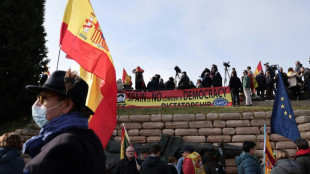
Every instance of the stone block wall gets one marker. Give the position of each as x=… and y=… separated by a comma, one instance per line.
x=231, y=128
x=205, y=129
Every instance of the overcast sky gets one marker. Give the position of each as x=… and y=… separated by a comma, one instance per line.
x=157, y=35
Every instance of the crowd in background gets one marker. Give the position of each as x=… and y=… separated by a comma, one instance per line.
x=261, y=84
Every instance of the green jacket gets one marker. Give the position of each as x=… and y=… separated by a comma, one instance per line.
x=246, y=82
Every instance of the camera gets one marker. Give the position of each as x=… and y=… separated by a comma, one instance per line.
x=226, y=64
x=177, y=69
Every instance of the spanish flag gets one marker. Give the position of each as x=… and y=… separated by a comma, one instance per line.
x=82, y=40
x=125, y=142
x=258, y=68
x=126, y=79
x=268, y=154
x=193, y=164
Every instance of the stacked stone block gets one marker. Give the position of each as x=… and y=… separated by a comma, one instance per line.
x=231, y=128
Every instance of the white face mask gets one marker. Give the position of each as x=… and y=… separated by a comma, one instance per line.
x=39, y=113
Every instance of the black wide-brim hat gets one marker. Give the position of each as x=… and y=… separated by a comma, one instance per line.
x=56, y=83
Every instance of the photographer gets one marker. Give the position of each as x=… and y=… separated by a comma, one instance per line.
x=184, y=81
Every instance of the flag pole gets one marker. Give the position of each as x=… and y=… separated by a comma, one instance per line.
x=264, y=151
x=129, y=140
x=58, y=59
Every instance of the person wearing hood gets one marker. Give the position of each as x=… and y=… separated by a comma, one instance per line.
x=153, y=164
x=65, y=143
x=284, y=165
x=247, y=162
x=302, y=156
x=11, y=161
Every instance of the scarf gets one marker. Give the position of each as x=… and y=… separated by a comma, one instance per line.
x=56, y=126
x=303, y=152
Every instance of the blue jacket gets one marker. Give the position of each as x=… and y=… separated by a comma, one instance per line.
x=247, y=164
x=10, y=161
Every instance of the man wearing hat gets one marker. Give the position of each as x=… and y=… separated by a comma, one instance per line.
x=65, y=144
x=192, y=161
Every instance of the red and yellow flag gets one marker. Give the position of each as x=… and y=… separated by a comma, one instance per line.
x=268, y=154
x=125, y=142
x=258, y=69
x=126, y=79
x=82, y=40
x=193, y=164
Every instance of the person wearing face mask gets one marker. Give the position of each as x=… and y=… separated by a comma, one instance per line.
x=65, y=144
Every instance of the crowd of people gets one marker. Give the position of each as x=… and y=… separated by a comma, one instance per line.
x=66, y=145
x=190, y=162
x=248, y=163
x=262, y=84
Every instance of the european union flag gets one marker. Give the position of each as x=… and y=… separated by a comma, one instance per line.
x=282, y=119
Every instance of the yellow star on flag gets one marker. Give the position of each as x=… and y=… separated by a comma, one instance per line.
x=290, y=115
x=282, y=106
x=285, y=113
x=282, y=98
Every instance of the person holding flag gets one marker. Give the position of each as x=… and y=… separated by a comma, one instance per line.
x=192, y=163
x=129, y=164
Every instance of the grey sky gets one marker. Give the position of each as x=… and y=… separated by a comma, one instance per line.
x=158, y=35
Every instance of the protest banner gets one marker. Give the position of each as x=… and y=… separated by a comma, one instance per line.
x=218, y=96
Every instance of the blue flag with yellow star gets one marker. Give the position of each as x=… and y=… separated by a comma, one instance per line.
x=282, y=119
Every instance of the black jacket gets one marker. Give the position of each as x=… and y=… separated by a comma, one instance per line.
x=207, y=81
x=269, y=82
x=303, y=159
x=169, y=85
x=172, y=168
x=234, y=83
x=217, y=80
x=184, y=82
x=154, y=165
x=151, y=85
x=124, y=166
x=77, y=151
x=261, y=81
